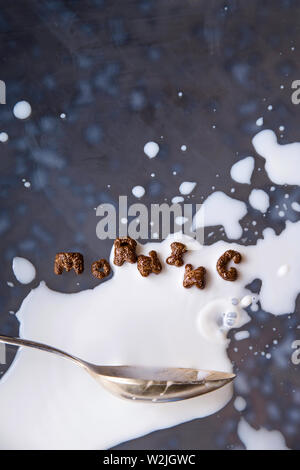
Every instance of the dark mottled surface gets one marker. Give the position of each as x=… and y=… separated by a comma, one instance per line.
x=115, y=68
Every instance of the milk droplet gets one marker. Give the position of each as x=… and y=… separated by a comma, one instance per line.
x=177, y=199
x=295, y=206
x=138, y=191
x=259, y=200
x=3, y=137
x=240, y=335
x=230, y=319
x=246, y=301
x=186, y=187
x=240, y=403
x=22, y=110
x=23, y=270
x=151, y=149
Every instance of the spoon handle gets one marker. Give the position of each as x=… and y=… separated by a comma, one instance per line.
x=41, y=346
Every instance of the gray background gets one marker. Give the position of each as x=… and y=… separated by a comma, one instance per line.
x=115, y=68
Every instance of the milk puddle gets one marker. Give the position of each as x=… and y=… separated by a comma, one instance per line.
x=49, y=403
x=150, y=321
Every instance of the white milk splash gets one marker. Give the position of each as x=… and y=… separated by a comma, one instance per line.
x=23, y=270
x=220, y=209
x=49, y=403
x=260, y=439
x=282, y=161
x=150, y=321
x=241, y=171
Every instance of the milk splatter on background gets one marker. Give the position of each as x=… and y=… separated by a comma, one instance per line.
x=116, y=101
x=259, y=200
x=241, y=171
x=260, y=439
x=151, y=149
x=22, y=110
x=187, y=187
x=3, y=137
x=138, y=191
x=23, y=270
x=220, y=209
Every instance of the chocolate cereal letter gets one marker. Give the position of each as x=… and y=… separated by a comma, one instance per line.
x=194, y=277
x=101, y=268
x=124, y=251
x=149, y=264
x=68, y=261
x=177, y=249
x=228, y=274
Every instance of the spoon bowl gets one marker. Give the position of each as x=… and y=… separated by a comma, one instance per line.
x=146, y=384
x=160, y=385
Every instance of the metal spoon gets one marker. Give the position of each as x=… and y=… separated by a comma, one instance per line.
x=142, y=383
